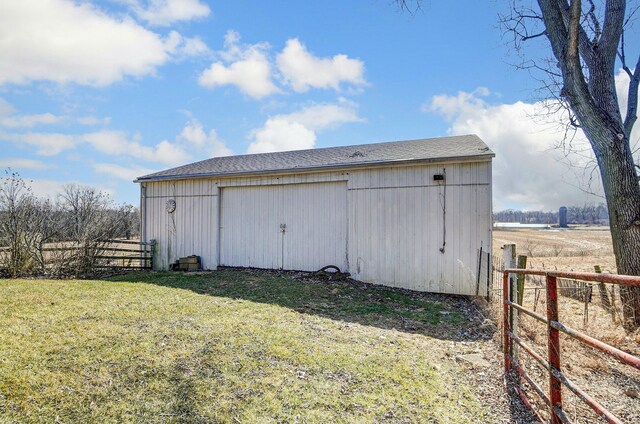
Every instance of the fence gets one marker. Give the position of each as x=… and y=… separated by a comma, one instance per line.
x=68, y=258
x=601, y=294
x=117, y=255
x=512, y=307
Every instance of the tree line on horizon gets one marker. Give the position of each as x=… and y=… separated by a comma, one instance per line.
x=588, y=214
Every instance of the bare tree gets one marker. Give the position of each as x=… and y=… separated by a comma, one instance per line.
x=586, y=44
x=15, y=204
x=91, y=220
x=46, y=224
x=58, y=237
x=27, y=223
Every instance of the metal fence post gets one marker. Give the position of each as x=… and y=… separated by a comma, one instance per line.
x=479, y=268
x=153, y=253
x=489, y=276
x=555, y=385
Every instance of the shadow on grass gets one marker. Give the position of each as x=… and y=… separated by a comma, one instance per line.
x=442, y=316
x=445, y=317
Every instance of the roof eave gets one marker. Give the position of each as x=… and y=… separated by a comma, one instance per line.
x=472, y=158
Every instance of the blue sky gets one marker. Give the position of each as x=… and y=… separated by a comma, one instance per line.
x=99, y=92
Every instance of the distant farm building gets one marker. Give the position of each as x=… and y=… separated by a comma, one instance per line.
x=519, y=226
x=409, y=214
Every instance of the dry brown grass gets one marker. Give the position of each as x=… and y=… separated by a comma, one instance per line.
x=577, y=249
x=611, y=383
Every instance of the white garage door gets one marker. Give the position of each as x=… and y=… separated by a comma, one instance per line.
x=295, y=226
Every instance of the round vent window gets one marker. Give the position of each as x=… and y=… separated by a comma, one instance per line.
x=170, y=205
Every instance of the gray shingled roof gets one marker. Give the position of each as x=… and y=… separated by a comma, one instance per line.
x=429, y=149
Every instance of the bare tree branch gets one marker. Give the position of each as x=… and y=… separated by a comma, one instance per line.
x=632, y=100
x=612, y=29
x=585, y=45
x=529, y=37
x=595, y=23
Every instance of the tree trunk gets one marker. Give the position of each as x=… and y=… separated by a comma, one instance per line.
x=595, y=103
x=622, y=191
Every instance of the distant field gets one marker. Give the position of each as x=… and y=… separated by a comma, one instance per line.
x=573, y=249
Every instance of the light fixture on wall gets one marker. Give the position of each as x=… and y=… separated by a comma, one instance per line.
x=170, y=206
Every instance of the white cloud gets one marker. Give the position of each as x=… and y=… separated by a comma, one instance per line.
x=193, y=133
x=19, y=163
x=280, y=134
x=622, y=89
x=248, y=68
x=302, y=70
x=126, y=173
x=109, y=142
x=118, y=143
x=193, y=140
x=297, y=130
x=328, y=115
x=46, y=144
x=9, y=119
x=194, y=46
x=28, y=121
x=47, y=188
x=529, y=171
x=166, y=12
x=51, y=188
x=183, y=47
x=461, y=104
x=93, y=120
x=64, y=41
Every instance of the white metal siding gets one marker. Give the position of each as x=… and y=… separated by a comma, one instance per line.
x=315, y=232
x=190, y=230
x=395, y=222
x=397, y=234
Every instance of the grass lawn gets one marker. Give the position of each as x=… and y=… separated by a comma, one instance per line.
x=227, y=346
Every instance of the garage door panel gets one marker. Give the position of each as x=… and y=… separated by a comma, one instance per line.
x=250, y=226
x=315, y=219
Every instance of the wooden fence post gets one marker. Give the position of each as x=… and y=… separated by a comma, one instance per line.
x=507, y=343
x=509, y=255
x=522, y=264
x=602, y=289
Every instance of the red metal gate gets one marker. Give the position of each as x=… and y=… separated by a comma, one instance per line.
x=553, y=362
